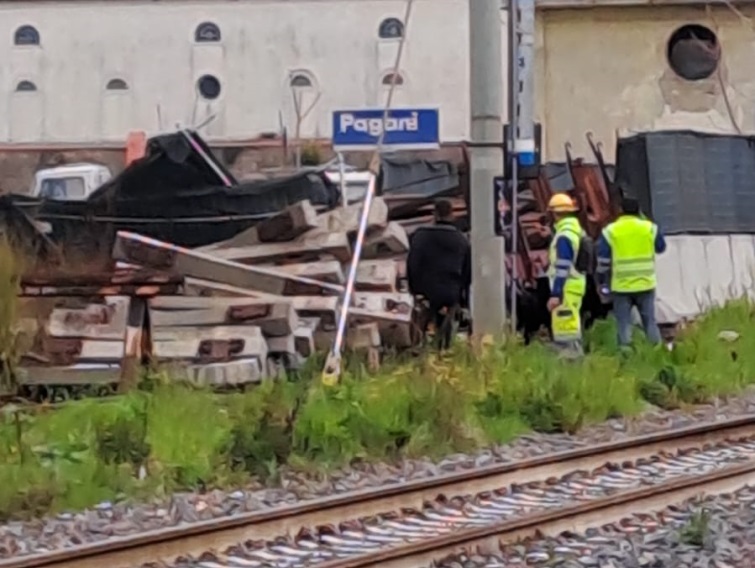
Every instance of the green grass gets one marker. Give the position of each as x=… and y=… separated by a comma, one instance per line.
x=172, y=437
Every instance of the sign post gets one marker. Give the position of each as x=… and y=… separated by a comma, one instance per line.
x=410, y=129
x=373, y=130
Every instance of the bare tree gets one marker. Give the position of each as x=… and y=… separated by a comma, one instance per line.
x=297, y=93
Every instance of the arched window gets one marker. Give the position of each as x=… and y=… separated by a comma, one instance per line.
x=117, y=85
x=391, y=28
x=26, y=35
x=388, y=79
x=207, y=32
x=26, y=87
x=301, y=81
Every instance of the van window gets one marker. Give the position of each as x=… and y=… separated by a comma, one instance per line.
x=63, y=188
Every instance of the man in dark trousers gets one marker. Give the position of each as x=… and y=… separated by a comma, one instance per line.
x=439, y=269
x=626, y=269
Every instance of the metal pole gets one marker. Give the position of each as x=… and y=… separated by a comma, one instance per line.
x=513, y=88
x=353, y=267
x=210, y=162
x=342, y=174
x=486, y=101
x=332, y=371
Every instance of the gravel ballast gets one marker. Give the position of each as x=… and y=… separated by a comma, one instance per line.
x=120, y=519
x=715, y=532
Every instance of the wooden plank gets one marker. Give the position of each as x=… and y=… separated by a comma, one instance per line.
x=390, y=241
x=325, y=271
x=376, y=276
x=96, y=321
x=310, y=247
x=274, y=319
x=208, y=344
x=130, y=247
x=346, y=220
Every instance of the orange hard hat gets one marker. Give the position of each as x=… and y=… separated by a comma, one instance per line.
x=561, y=203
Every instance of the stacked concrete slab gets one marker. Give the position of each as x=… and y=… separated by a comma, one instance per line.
x=270, y=297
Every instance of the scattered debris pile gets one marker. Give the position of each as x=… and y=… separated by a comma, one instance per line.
x=224, y=314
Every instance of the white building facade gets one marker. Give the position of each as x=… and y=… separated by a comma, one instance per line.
x=91, y=71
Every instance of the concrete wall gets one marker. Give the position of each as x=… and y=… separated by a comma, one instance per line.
x=151, y=46
x=606, y=69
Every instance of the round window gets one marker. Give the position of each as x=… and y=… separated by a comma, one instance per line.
x=209, y=87
x=693, y=52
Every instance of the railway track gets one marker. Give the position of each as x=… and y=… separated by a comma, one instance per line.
x=412, y=524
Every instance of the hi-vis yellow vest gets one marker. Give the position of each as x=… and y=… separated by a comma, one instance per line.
x=570, y=228
x=632, y=242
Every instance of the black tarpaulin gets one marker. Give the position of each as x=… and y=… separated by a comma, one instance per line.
x=173, y=194
x=691, y=182
x=417, y=177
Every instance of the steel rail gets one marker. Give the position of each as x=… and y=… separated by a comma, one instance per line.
x=216, y=534
x=574, y=518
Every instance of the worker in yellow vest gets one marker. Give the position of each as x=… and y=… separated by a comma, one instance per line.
x=566, y=282
x=627, y=250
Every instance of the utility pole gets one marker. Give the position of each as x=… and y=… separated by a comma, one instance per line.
x=486, y=79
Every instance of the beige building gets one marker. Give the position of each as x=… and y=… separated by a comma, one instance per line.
x=635, y=68
x=88, y=71
x=85, y=71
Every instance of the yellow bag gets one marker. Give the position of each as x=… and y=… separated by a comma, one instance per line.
x=566, y=324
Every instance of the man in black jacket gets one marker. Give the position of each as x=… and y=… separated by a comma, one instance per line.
x=439, y=270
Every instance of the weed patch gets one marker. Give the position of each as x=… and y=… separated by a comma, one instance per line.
x=169, y=437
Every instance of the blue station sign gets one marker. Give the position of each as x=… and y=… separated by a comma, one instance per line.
x=405, y=128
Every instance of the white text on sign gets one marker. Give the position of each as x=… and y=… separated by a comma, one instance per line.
x=374, y=126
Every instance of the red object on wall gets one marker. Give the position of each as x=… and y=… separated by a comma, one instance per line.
x=136, y=146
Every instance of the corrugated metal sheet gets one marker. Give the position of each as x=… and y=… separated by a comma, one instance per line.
x=692, y=182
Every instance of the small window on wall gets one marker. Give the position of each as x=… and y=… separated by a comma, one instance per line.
x=117, y=85
x=693, y=52
x=393, y=79
x=207, y=32
x=301, y=81
x=26, y=87
x=26, y=35
x=209, y=87
x=391, y=28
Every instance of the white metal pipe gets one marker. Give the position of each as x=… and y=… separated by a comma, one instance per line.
x=348, y=293
x=206, y=158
